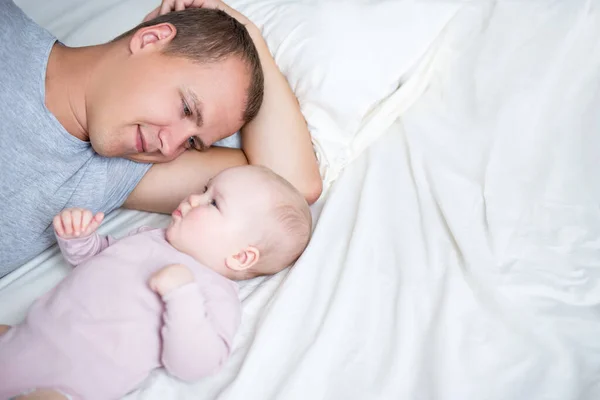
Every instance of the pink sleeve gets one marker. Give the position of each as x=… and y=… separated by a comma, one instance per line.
x=78, y=250
x=198, y=331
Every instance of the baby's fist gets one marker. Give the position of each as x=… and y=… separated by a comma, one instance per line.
x=170, y=278
x=76, y=222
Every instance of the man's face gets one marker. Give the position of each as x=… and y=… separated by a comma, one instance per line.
x=152, y=107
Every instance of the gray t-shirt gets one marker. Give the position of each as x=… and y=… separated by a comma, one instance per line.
x=43, y=169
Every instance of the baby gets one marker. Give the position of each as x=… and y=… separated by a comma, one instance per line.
x=155, y=298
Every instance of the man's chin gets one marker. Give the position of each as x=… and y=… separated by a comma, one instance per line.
x=154, y=158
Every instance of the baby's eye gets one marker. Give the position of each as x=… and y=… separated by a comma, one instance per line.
x=214, y=203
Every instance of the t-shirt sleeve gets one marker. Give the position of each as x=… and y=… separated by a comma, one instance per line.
x=122, y=176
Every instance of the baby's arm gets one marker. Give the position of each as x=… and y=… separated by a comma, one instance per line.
x=75, y=230
x=79, y=250
x=198, y=325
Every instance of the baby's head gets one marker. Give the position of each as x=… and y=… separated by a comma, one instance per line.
x=248, y=222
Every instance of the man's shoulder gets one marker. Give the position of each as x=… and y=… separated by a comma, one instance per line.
x=14, y=21
x=23, y=41
x=11, y=14
x=24, y=51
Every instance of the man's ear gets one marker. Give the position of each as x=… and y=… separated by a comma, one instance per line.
x=244, y=259
x=153, y=36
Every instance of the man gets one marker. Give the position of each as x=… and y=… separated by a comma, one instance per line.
x=79, y=125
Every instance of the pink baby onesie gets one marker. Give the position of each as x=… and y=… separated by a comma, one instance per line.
x=99, y=333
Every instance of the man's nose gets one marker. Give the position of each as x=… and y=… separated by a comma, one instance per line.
x=173, y=141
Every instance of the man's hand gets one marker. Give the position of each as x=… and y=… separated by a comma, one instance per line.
x=177, y=5
x=170, y=278
x=76, y=222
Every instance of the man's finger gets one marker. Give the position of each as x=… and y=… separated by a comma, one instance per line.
x=153, y=14
x=167, y=6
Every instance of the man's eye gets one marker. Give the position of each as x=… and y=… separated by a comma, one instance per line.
x=193, y=143
x=205, y=189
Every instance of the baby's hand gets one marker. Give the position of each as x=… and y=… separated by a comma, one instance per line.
x=76, y=222
x=170, y=278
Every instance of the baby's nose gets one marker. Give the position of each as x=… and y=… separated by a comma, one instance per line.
x=198, y=200
x=195, y=200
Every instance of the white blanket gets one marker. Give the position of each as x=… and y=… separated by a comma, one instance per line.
x=458, y=257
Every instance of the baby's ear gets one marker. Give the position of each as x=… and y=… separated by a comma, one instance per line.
x=243, y=260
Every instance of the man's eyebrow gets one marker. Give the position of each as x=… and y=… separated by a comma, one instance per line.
x=197, y=105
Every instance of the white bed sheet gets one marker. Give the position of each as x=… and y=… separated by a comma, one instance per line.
x=458, y=258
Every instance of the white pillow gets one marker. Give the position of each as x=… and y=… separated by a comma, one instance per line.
x=341, y=58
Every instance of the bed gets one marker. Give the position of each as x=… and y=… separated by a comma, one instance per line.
x=456, y=251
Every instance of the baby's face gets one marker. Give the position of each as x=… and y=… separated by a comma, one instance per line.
x=218, y=223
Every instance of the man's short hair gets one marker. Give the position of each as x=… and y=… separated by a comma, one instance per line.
x=209, y=36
